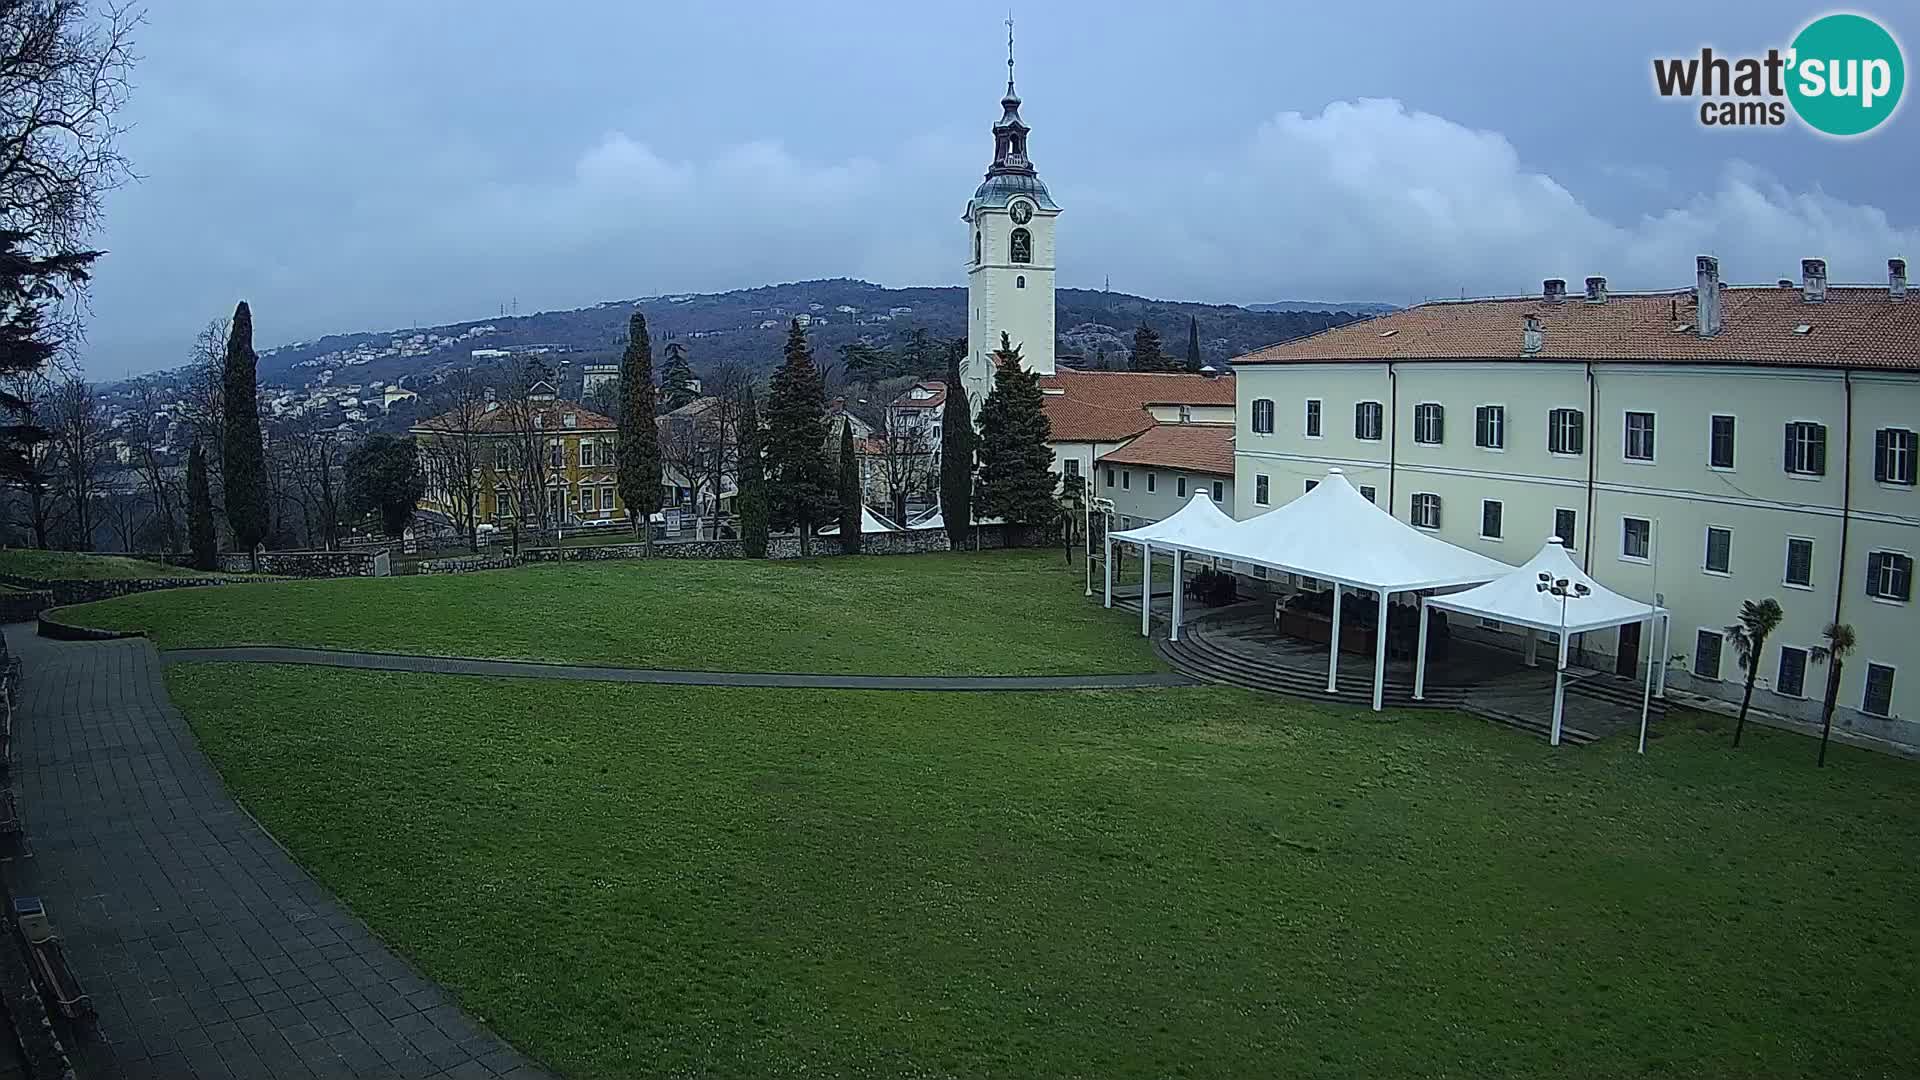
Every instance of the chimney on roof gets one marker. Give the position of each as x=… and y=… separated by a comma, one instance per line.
x=1786, y=283
x=1596, y=290
x=1706, y=295
x=1813, y=280
x=1554, y=290
x=1897, y=278
x=1531, y=338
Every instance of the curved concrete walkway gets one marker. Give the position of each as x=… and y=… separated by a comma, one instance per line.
x=523, y=669
x=207, y=951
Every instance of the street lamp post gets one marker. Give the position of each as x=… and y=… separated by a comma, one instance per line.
x=1565, y=590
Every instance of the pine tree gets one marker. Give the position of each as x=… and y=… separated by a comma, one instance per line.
x=200, y=536
x=676, y=382
x=1146, y=355
x=30, y=286
x=1016, y=475
x=752, y=502
x=956, y=455
x=800, y=488
x=851, y=502
x=1194, y=362
x=639, y=450
x=243, y=461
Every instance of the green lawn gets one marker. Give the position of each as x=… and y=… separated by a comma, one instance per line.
x=49, y=565
x=1200, y=882
x=1013, y=612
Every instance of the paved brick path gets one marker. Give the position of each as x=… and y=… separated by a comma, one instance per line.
x=207, y=952
x=449, y=665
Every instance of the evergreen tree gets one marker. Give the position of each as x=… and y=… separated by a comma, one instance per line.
x=30, y=285
x=1194, y=362
x=1146, y=355
x=864, y=360
x=638, y=460
x=676, y=382
x=200, y=537
x=956, y=454
x=243, y=461
x=1016, y=475
x=851, y=502
x=752, y=502
x=800, y=488
x=383, y=476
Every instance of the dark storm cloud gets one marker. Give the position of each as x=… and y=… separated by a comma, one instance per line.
x=352, y=166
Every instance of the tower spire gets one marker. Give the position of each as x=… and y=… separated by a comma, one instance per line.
x=1010, y=92
x=1010, y=134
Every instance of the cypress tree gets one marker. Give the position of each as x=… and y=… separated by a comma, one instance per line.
x=753, y=481
x=638, y=461
x=1146, y=355
x=956, y=455
x=676, y=382
x=1016, y=474
x=851, y=502
x=800, y=487
x=243, y=459
x=200, y=537
x=1193, y=344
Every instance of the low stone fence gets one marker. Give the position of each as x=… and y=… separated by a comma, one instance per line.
x=465, y=564
x=23, y=605
x=907, y=542
x=64, y=591
x=307, y=564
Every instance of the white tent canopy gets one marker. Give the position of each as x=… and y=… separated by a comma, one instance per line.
x=1333, y=533
x=870, y=522
x=936, y=519
x=1199, y=526
x=1550, y=592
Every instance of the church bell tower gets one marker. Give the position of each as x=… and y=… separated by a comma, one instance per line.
x=1010, y=248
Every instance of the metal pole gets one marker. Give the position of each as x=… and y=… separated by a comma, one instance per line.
x=1646, y=695
x=1420, y=658
x=1179, y=590
x=1333, y=650
x=1559, y=680
x=1086, y=501
x=1380, y=654
x=1106, y=564
x=1146, y=589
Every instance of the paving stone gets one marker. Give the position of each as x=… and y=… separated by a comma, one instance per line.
x=208, y=953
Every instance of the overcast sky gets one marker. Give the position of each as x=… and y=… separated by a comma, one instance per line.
x=369, y=165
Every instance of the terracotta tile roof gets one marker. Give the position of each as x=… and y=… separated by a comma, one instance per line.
x=1203, y=448
x=907, y=401
x=502, y=421
x=1855, y=326
x=1108, y=406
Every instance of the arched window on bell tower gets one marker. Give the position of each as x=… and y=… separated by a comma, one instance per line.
x=976, y=247
x=1022, y=246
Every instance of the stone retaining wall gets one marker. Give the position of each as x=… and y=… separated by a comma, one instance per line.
x=22, y=606
x=910, y=542
x=66, y=591
x=303, y=564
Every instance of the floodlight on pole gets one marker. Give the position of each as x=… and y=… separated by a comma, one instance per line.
x=1565, y=590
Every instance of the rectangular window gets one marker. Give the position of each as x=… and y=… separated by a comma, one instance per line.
x=1799, y=562
x=1149, y=479
x=1706, y=654
x=587, y=501
x=1429, y=423
x=1566, y=432
x=1792, y=680
x=1889, y=576
x=1564, y=524
x=1894, y=451
x=606, y=499
x=1367, y=492
x=1636, y=538
x=557, y=454
x=1180, y=487
x=1490, y=427
x=586, y=455
x=1639, y=436
x=1311, y=484
x=1878, y=700
x=1719, y=549
x=503, y=457
x=1109, y=476
x=1073, y=467
x=1426, y=511
x=1263, y=416
x=1806, y=449
x=1126, y=479
x=1260, y=490
x=1313, y=418
x=1490, y=513
x=1720, y=442
x=1366, y=421
x=1219, y=491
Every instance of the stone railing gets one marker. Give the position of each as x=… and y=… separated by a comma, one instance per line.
x=307, y=564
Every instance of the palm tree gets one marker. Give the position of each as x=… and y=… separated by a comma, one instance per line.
x=1749, y=638
x=1839, y=646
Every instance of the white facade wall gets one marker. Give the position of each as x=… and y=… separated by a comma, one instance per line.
x=1143, y=494
x=997, y=299
x=1757, y=500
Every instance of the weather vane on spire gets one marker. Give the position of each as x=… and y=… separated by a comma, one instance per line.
x=1009, y=49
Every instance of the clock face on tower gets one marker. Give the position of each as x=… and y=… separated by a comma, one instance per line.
x=1022, y=213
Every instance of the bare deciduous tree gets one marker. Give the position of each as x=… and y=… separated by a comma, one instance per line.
x=452, y=455
x=79, y=437
x=527, y=403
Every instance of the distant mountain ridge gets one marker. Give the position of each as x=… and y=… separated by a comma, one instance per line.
x=749, y=326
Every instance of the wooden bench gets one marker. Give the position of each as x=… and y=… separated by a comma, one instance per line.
x=49, y=961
